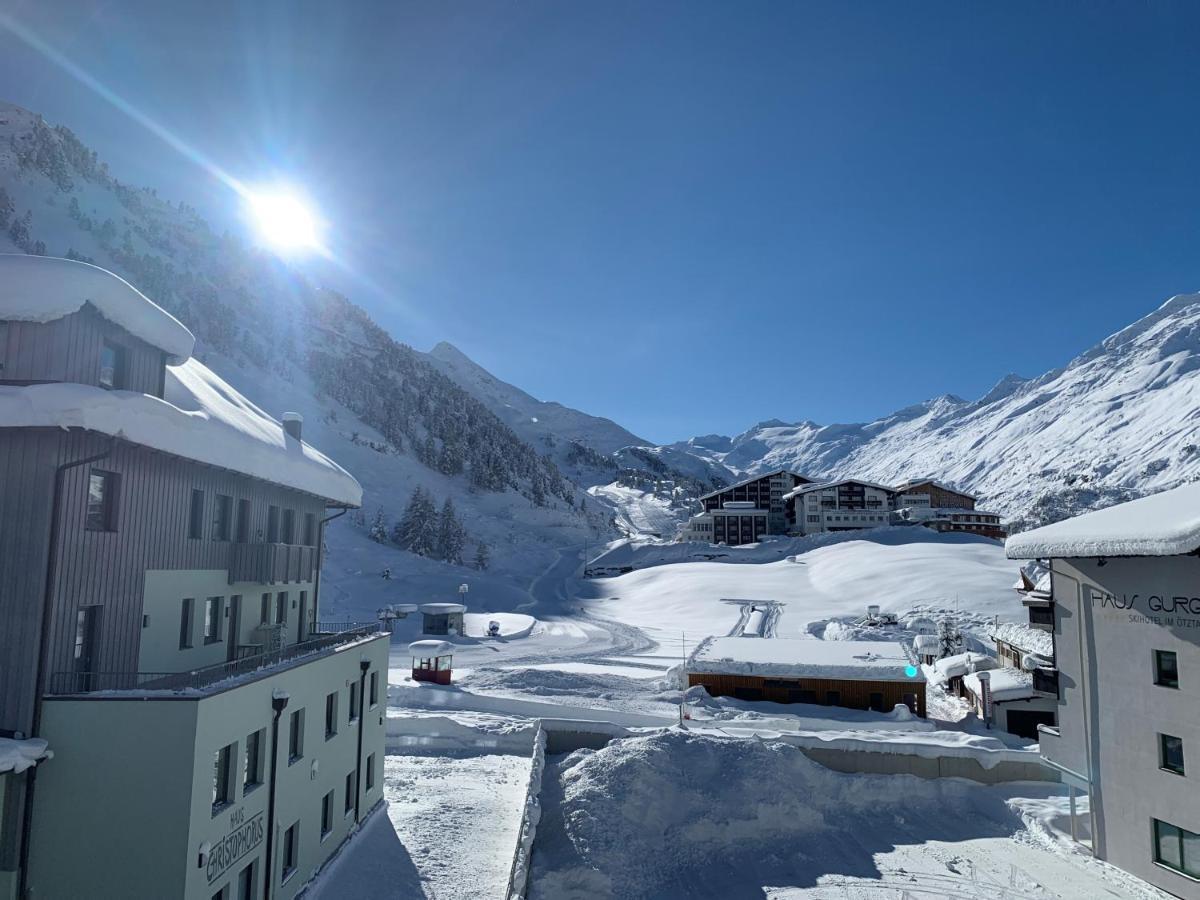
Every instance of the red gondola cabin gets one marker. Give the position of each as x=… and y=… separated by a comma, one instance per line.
x=431, y=661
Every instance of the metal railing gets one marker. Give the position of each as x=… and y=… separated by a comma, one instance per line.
x=207, y=677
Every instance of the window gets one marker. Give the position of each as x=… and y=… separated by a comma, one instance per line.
x=296, y=737
x=310, y=530
x=326, y=815
x=833, y=698
x=1166, y=668
x=222, y=792
x=370, y=771
x=196, y=516
x=1177, y=848
x=243, y=521
x=374, y=689
x=265, y=611
x=331, y=715
x=351, y=790
x=273, y=525
x=289, y=853
x=1170, y=753
x=112, y=366
x=246, y=882
x=85, y=642
x=353, y=712
x=222, y=525
x=252, y=774
x=222, y=894
x=288, y=535
x=876, y=701
x=212, y=619
x=185, y=623
x=281, y=605
x=102, y=501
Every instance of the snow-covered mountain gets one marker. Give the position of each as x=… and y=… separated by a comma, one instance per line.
x=1118, y=421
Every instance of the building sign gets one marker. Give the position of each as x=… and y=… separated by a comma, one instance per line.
x=1151, y=609
x=244, y=836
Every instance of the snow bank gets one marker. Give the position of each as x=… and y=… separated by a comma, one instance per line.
x=1024, y=637
x=201, y=418
x=799, y=658
x=677, y=815
x=1166, y=524
x=19, y=755
x=42, y=289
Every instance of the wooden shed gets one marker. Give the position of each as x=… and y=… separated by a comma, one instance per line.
x=876, y=675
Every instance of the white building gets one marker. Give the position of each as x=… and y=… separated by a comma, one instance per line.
x=1125, y=602
x=838, y=506
x=734, y=522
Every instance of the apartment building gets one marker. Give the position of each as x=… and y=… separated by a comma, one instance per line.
x=944, y=509
x=837, y=506
x=744, y=512
x=190, y=728
x=1126, y=633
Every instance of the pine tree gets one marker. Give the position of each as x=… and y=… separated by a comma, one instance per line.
x=482, y=556
x=417, y=529
x=451, y=537
x=378, y=532
x=6, y=208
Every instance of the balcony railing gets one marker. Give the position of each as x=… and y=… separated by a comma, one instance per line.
x=201, y=680
x=272, y=563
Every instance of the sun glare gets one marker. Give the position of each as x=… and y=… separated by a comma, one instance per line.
x=284, y=221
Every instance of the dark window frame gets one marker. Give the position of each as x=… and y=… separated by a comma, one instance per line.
x=222, y=520
x=1164, y=753
x=1160, y=830
x=196, y=515
x=215, y=606
x=1160, y=678
x=331, y=715
x=296, y=736
x=187, y=618
x=327, y=815
x=242, y=530
x=252, y=768
x=223, y=792
x=117, y=380
x=288, y=855
x=102, y=516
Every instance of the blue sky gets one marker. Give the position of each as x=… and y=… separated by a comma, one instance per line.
x=688, y=217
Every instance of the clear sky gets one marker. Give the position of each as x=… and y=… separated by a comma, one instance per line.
x=688, y=217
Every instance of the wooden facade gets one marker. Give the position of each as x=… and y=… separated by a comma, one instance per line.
x=881, y=696
x=107, y=569
x=68, y=350
x=939, y=497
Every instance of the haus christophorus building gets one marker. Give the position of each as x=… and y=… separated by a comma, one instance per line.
x=783, y=502
x=1124, y=586
x=175, y=720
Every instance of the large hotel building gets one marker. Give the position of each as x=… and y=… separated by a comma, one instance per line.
x=176, y=721
x=1125, y=596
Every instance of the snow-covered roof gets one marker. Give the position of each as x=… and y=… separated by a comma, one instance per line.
x=751, y=480
x=926, y=642
x=42, y=289
x=18, y=755
x=1166, y=524
x=961, y=663
x=403, y=607
x=801, y=658
x=1007, y=684
x=1035, y=580
x=807, y=488
x=436, y=609
x=202, y=418
x=430, y=648
x=1024, y=637
x=916, y=482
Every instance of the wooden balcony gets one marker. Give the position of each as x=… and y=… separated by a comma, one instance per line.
x=272, y=563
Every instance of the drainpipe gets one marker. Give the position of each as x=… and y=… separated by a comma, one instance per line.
x=321, y=559
x=279, y=701
x=44, y=649
x=363, y=665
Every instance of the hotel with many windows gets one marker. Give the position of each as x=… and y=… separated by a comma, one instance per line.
x=176, y=721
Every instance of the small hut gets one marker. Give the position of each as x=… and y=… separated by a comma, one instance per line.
x=442, y=618
x=431, y=661
x=927, y=647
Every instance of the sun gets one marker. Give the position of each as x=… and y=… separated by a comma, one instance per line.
x=283, y=220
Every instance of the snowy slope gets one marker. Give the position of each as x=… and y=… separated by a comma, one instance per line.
x=1118, y=421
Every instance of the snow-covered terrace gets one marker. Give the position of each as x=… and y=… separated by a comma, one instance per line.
x=1006, y=684
x=1023, y=637
x=800, y=658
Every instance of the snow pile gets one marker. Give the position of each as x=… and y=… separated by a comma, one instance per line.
x=530, y=817
x=1024, y=637
x=19, y=755
x=962, y=663
x=1007, y=684
x=201, y=418
x=926, y=643
x=799, y=658
x=42, y=289
x=1166, y=524
x=676, y=815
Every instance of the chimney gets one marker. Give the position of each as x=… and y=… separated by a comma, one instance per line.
x=293, y=424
